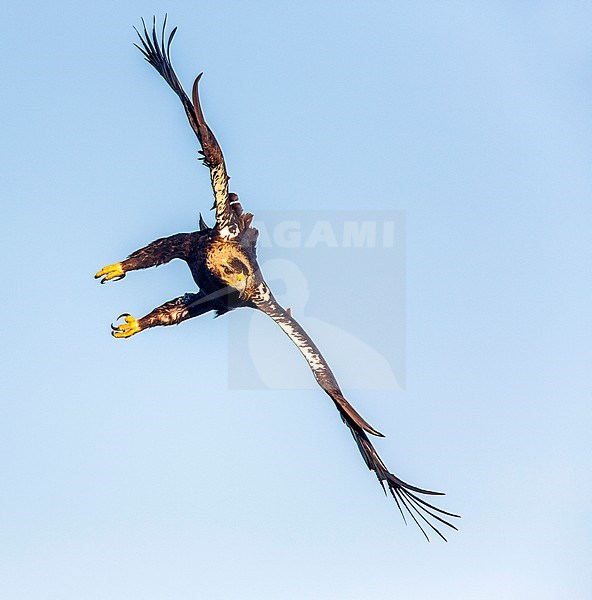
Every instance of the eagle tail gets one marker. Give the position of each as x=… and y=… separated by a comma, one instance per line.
x=405, y=495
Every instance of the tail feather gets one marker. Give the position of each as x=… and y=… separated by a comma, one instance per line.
x=404, y=494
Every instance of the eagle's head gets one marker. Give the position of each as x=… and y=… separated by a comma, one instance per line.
x=234, y=271
x=234, y=265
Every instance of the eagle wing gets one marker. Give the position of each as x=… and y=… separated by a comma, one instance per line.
x=157, y=53
x=404, y=494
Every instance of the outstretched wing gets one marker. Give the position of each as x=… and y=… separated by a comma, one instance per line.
x=404, y=494
x=158, y=54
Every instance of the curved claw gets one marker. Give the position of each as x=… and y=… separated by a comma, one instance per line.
x=113, y=272
x=130, y=327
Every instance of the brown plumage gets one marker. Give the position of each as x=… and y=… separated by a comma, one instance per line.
x=223, y=263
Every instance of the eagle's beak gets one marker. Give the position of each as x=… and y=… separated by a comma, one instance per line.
x=242, y=285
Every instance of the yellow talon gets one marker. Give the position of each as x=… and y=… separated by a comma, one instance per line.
x=110, y=272
x=127, y=329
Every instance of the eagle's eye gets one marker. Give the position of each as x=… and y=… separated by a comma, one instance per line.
x=237, y=267
x=227, y=270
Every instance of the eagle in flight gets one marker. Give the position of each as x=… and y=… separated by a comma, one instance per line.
x=223, y=262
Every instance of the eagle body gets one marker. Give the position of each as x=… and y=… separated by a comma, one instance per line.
x=223, y=263
x=226, y=271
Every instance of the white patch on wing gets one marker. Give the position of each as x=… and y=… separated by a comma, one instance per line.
x=220, y=186
x=228, y=231
x=313, y=358
x=264, y=292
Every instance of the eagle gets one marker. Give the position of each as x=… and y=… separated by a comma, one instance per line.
x=223, y=263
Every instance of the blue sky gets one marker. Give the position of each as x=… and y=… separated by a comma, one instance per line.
x=129, y=469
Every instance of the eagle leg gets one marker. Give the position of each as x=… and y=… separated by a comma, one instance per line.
x=170, y=313
x=113, y=272
x=159, y=252
x=129, y=327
